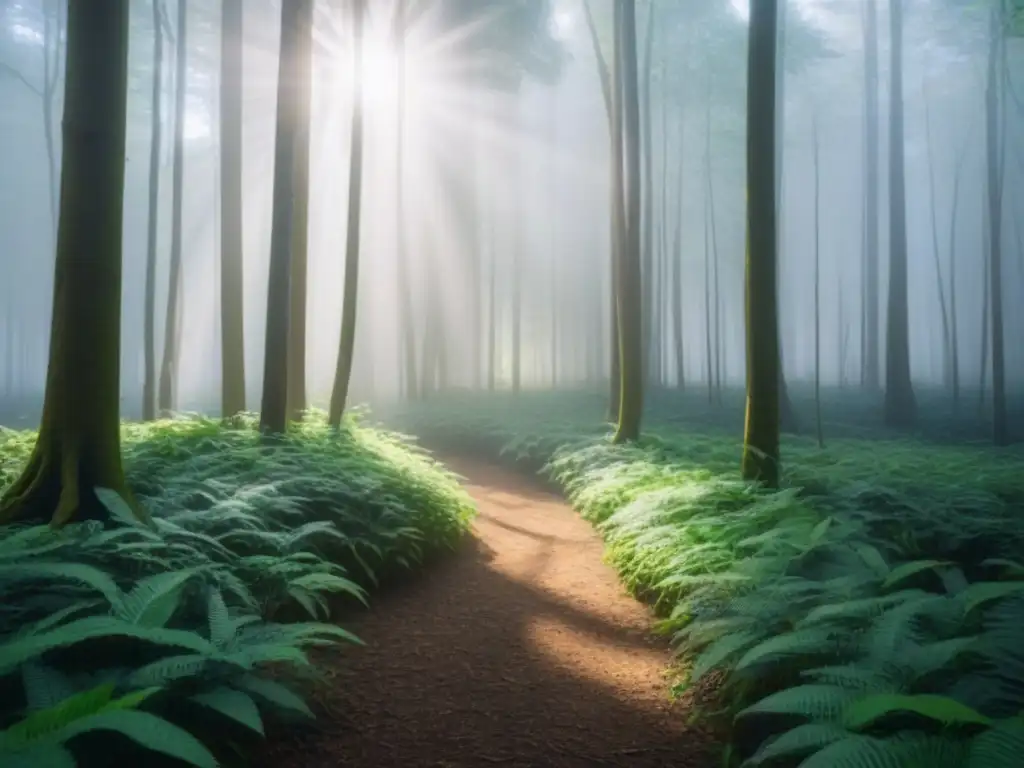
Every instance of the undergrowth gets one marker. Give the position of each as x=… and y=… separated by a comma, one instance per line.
x=181, y=637
x=869, y=614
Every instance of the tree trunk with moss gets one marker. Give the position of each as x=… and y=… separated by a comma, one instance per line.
x=900, y=402
x=78, y=449
x=300, y=228
x=346, y=343
x=295, y=29
x=232, y=317
x=761, y=431
x=629, y=287
x=169, y=363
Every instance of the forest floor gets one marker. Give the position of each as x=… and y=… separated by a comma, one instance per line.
x=521, y=650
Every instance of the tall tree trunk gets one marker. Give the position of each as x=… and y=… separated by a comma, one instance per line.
x=761, y=433
x=300, y=227
x=647, y=200
x=346, y=342
x=295, y=28
x=630, y=291
x=986, y=298
x=232, y=285
x=78, y=447
x=660, y=256
x=611, y=89
x=817, y=285
x=994, y=192
x=492, y=308
x=946, y=358
x=517, y=257
x=716, y=284
x=553, y=234
x=954, y=339
x=408, y=326
x=900, y=403
x=156, y=127
x=788, y=417
x=52, y=30
x=677, y=269
x=709, y=363
x=169, y=363
x=872, y=374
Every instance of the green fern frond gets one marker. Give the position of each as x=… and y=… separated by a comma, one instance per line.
x=154, y=599
x=274, y=693
x=233, y=704
x=813, y=701
x=797, y=741
x=1001, y=746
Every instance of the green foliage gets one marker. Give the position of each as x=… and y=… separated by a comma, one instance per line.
x=868, y=614
x=175, y=634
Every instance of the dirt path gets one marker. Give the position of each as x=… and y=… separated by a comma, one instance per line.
x=521, y=651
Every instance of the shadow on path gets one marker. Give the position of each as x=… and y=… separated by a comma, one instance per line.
x=522, y=650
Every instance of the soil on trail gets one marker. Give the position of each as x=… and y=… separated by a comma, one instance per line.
x=522, y=650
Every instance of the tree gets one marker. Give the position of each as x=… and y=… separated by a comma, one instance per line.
x=155, y=146
x=786, y=413
x=933, y=218
x=232, y=317
x=300, y=231
x=761, y=432
x=872, y=376
x=296, y=28
x=629, y=283
x=817, y=283
x=610, y=90
x=78, y=449
x=346, y=343
x=169, y=363
x=408, y=327
x=994, y=194
x=900, y=403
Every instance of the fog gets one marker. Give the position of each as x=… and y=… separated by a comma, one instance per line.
x=505, y=190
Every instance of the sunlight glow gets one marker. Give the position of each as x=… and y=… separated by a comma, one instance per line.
x=381, y=64
x=563, y=22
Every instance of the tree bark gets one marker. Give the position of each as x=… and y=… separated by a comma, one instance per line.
x=408, y=327
x=872, y=374
x=817, y=285
x=647, y=199
x=940, y=285
x=761, y=433
x=300, y=228
x=169, y=364
x=900, y=402
x=294, y=31
x=346, y=342
x=630, y=291
x=994, y=192
x=78, y=448
x=232, y=287
x=156, y=130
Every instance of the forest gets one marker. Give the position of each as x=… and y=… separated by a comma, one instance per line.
x=528, y=383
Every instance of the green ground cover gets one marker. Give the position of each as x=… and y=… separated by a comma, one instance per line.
x=181, y=638
x=868, y=614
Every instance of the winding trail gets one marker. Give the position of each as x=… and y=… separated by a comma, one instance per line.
x=523, y=650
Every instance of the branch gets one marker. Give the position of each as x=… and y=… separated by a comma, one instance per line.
x=602, y=65
x=8, y=69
